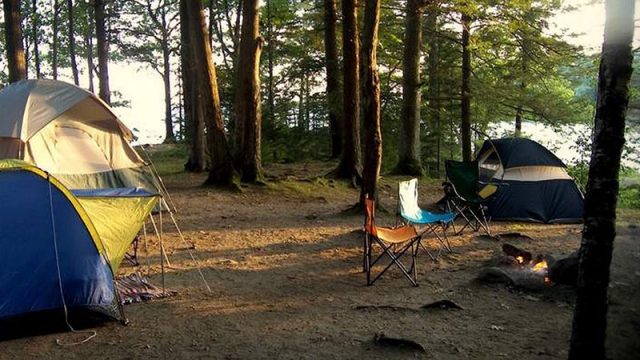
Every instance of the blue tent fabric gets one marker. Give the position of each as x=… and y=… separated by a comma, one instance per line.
x=29, y=279
x=550, y=201
x=516, y=152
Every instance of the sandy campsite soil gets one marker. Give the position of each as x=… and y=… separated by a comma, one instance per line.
x=284, y=266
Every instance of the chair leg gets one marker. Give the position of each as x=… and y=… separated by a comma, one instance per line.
x=395, y=259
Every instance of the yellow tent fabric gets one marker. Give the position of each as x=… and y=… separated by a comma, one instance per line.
x=117, y=221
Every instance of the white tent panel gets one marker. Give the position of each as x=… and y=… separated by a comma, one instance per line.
x=535, y=173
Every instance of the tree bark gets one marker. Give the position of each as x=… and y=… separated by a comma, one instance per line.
x=72, y=43
x=194, y=124
x=333, y=77
x=371, y=102
x=34, y=33
x=206, y=101
x=465, y=105
x=409, y=162
x=103, y=50
x=248, y=102
x=89, y=46
x=13, y=34
x=590, y=314
x=169, y=135
x=349, y=166
x=434, y=80
x=55, y=28
x=271, y=44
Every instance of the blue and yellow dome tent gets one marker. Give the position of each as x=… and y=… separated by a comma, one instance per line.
x=59, y=250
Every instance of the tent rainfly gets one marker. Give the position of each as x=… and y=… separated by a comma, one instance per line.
x=536, y=186
x=60, y=249
x=70, y=133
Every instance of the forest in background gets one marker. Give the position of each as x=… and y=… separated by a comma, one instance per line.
x=492, y=64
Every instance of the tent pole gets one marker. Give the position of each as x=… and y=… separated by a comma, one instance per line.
x=184, y=241
x=163, y=187
x=162, y=255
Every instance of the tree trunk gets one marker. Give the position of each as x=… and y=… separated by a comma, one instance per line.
x=270, y=95
x=103, y=50
x=194, y=124
x=169, y=135
x=56, y=40
x=13, y=34
x=371, y=102
x=333, y=75
x=248, y=101
x=590, y=314
x=206, y=101
x=434, y=80
x=409, y=162
x=72, y=43
x=89, y=46
x=34, y=33
x=523, y=87
x=349, y=166
x=465, y=106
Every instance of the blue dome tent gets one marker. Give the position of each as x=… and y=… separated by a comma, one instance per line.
x=536, y=186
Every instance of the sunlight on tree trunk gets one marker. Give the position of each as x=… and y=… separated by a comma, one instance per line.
x=248, y=101
x=590, y=314
x=13, y=34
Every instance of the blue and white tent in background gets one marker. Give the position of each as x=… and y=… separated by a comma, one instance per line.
x=535, y=183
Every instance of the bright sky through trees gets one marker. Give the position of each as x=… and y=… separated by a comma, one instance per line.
x=143, y=87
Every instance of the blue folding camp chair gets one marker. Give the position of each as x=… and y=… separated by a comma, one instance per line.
x=410, y=212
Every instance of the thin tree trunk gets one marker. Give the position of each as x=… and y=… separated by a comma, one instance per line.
x=72, y=42
x=34, y=33
x=194, y=124
x=271, y=43
x=349, y=166
x=434, y=80
x=409, y=162
x=465, y=113
x=89, y=46
x=103, y=50
x=13, y=34
x=333, y=75
x=248, y=101
x=371, y=102
x=523, y=87
x=56, y=40
x=206, y=101
x=169, y=137
x=301, y=94
x=590, y=314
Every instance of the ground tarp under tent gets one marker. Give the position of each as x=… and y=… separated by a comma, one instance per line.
x=535, y=183
x=58, y=249
x=70, y=133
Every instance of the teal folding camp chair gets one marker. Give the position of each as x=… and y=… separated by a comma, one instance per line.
x=393, y=244
x=466, y=195
x=434, y=223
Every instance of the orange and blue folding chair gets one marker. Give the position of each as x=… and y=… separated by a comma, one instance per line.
x=393, y=243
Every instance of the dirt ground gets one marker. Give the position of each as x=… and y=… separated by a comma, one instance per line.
x=284, y=265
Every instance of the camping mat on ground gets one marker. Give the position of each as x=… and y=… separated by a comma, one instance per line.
x=134, y=288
